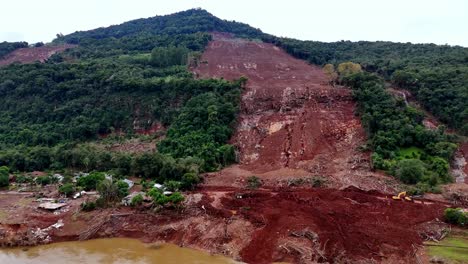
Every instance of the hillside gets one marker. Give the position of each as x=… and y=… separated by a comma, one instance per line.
x=268, y=155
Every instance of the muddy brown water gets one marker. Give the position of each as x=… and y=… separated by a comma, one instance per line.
x=108, y=251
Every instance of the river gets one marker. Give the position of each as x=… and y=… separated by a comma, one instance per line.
x=108, y=251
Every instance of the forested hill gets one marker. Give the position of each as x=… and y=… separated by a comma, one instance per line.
x=185, y=22
x=134, y=76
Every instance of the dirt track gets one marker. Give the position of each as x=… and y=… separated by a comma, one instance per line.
x=292, y=122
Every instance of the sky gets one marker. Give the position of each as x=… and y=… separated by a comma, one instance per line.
x=416, y=21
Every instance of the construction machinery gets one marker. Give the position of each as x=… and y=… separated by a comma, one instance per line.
x=402, y=196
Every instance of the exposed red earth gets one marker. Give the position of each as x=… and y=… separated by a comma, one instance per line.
x=30, y=55
x=292, y=122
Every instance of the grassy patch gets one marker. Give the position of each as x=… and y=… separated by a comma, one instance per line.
x=454, y=248
x=410, y=153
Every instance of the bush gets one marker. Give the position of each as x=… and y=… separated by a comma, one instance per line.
x=4, y=176
x=123, y=188
x=253, y=182
x=88, y=206
x=23, y=179
x=43, y=180
x=109, y=192
x=136, y=200
x=91, y=181
x=176, y=198
x=190, y=180
x=456, y=216
x=173, y=186
x=67, y=189
x=410, y=171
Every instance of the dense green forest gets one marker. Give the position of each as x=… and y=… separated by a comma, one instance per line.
x=402, y=145
x=437, y=75
x=119, y=79
x=7, y=47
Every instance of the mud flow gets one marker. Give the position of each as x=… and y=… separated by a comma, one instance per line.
x=292, y=122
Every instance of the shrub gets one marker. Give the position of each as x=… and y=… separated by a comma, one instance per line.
x=176, y=198
x=43, y=180
x=253, y=182
x=109, y=192
x=190, y=180
x=23, y=179
x=173, y=186
x=123, y=188
x=4, y=176
x=158, y=197
x=67, y=189
x=410, y=171
x=456, y=216
x=136, y=200
x=91, y=181
x=88, y=206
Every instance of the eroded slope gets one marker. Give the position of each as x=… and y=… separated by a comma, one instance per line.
x=292, y=122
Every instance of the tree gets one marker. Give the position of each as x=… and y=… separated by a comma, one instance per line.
x=109, y=192
x=67, y=189
x=329, y=70
x=347, y=68
x=123, y=188
x=91, y=181
x=137, y=200
x=456, y=216
x=410, y=171
x=4, y=176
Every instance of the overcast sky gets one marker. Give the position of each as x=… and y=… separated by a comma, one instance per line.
x=417, y=21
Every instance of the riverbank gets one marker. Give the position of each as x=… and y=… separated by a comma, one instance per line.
x=255, y=226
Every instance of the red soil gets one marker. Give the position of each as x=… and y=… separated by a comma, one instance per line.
x=353, y=223
x=30, y=55
x=292, y=122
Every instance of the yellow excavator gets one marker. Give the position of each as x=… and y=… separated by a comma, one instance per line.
x=402, y=196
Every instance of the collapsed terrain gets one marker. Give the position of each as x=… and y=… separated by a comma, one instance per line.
x=292, y=125
x=30, y=55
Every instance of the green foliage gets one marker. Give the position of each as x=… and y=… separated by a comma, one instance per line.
x=109, y=192
x=410, y=171
x=44, y=180
x=23, y=179
x=178, y=24
x=137, y=200
x=88, y=206
x=164, y=57
x=123, y=188
x=202, y=128
x=176, y=199
x=253, y=182
x=160, y=199
x=173, y=186
x=67, y=189
x=4, y=176
x=190, y=180
x=456, y=216
x=91, y=181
